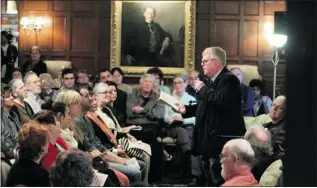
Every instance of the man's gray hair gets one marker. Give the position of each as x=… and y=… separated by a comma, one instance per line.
x=72, y=168
x=99, y=88
x=14, y=83
x=147, y=77
x=281, y=97
x=218, y=52
x=27, y=75
x=243, y=150
x=260, y=140
x=47, y=76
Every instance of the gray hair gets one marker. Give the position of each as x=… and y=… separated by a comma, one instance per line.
x=242, y=149
x=182, y=76
x=281, y=97
x=47, y=76
x=99, y=88
x=27, y=75
x=14, y=83
x=218, y=52
x=261, y=144
x=148, y=77
x=72, y=168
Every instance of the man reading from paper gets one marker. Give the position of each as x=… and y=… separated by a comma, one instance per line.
x=218, y=113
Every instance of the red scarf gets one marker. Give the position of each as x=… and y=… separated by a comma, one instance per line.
x=103, y=126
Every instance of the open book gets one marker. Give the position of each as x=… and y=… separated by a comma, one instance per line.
x=169, y=100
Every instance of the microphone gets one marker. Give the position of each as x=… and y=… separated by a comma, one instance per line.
x=203, y=78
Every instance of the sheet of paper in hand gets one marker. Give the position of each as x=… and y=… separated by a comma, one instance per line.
x=133, y=163
x=140, y=145
x=169, y=100
x=99, y=179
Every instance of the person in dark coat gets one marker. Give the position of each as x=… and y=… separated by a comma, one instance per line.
x=9, y=54
x=33, y=146
x=219, y=115
x=36, y=65
x=247, y=93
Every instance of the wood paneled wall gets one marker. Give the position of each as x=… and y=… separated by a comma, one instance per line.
x=80, y=32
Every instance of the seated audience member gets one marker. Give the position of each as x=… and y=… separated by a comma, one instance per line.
x=56, y=144
x=36, y=65
x=103, y=93
x=72, y=100
x=47, y=84
x=262, y=102
x=17, y=73
x=68, y=79
x=190, y=89
x=79, y=173
x=33, y=85
x=247, y=93
x=179, y=84
x=142, y=105
x=21, y=108
x=236, y=160
x=117, y=103
x=82, y=79
x=64, y=119
x=109, y=141
x=58, y=80
x=260, y=140
x=118, y=75
x=105, y=75
x=158, y=73
x=10, y=124
x=33, y=146
x=277, y=126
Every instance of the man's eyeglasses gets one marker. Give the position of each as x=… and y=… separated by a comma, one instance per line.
x=205, y=62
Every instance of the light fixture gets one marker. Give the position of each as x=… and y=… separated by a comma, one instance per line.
x=34, y=24
x=11, y=7
x=276, y=41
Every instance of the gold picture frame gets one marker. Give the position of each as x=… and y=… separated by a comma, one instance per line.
x=188, y=42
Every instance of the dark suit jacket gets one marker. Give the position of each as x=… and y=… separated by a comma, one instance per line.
x=39, y=68
x=137, y=41
x=12, y=55
x=247, y=100
x=218, y=115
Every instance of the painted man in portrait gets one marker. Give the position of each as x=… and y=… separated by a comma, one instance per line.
x=147, y=44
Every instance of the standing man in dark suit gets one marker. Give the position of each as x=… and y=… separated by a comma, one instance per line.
x=218, y=112
x=147, y=44
x=247, y=93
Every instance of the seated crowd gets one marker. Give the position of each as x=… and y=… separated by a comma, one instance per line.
x=81, y=132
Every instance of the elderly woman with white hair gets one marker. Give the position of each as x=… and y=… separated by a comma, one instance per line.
x=22, y=108
x=103, y=94
x=47, y=83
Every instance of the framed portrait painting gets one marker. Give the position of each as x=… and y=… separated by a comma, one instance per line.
x=148, y=34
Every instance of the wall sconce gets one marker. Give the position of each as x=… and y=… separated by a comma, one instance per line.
x=35, y=24
x=276, y=41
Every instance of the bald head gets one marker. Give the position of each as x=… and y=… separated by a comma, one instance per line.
x=242, y=149
x=260, y=140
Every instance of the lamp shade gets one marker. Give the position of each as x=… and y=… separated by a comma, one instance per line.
x=277, y=40
x=11, y=7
